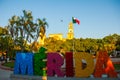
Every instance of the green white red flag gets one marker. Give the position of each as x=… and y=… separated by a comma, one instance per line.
x=75, y=20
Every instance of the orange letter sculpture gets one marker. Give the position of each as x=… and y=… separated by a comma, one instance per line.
x=104, y=65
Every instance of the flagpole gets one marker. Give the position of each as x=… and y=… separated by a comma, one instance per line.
x=74, y=20
x=73, y=45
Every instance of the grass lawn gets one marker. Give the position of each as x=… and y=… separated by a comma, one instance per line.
x=9, y=64
x=117, y=66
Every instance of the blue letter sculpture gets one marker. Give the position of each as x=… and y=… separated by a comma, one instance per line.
x=24, y=64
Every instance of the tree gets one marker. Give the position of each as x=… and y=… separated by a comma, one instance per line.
x=3, y=35
x=24, y=30
x=6, y=41
x=42, y=24
x=118, y=44
x=85, y=45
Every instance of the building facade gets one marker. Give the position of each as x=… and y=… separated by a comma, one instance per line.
x=59, y=36
x=70, y=34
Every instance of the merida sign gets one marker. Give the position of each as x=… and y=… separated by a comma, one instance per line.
x=34, y=64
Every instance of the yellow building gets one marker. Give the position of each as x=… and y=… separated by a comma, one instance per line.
x=70, y=34
x=58, y=36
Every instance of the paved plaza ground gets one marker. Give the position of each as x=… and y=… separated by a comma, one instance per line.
x=5, y=74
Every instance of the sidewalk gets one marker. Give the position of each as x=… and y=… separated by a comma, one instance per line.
x=5, y=72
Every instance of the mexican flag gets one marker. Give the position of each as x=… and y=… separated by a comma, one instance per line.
x=75, y=20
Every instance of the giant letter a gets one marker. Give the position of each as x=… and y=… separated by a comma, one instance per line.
x=104, y=65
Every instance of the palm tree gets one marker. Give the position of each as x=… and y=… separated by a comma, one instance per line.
x=42, y=24
x=23, y=30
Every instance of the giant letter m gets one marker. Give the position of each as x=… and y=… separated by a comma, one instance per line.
x=24, y=63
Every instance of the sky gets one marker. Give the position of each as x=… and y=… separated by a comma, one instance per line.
x=98, y=18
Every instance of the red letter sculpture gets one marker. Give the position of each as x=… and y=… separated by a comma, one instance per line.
x=54, y=63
